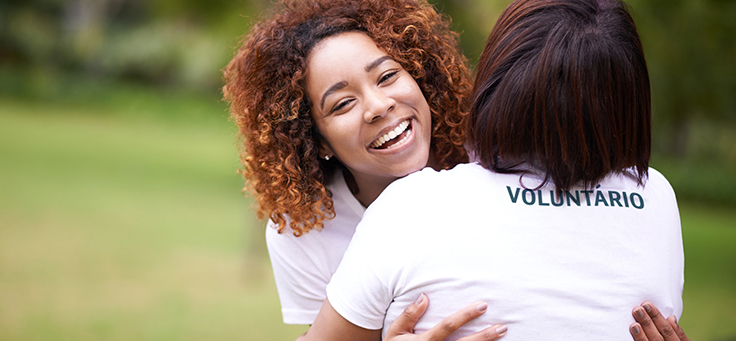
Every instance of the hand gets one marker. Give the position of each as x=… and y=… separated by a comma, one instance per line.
x=403, y=328
x=650, y=325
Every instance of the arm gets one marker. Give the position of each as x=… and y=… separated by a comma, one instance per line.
x=329, y=325
x=650, y=325
x=402, y=329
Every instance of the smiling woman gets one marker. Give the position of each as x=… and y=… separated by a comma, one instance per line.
x=372, y=115
x=272, y=105
x=561, y=106
x=335, y=99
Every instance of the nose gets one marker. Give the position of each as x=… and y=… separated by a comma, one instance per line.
x=378, y=104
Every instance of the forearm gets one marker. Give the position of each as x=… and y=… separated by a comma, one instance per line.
x=331, y=326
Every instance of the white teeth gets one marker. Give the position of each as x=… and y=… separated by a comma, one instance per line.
x=391, y=135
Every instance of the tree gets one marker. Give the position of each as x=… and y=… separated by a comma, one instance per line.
x=691, y=53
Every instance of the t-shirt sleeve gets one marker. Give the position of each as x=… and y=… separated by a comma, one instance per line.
x=357, y=291
x=299, y=281
x=370, y=274
x=670, y=216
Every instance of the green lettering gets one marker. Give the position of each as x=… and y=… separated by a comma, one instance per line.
x=587, y=196
x=523, y=197
x=615, y=197
x=512, y=196
x=575, y=199
x=541, y=203
x=552, y=197
x=599, y=197
x=633, y=202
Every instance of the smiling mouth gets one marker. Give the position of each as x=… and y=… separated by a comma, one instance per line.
x=394, y=137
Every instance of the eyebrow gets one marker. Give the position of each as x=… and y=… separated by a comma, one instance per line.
x=376, y=63
x=343, y=84
x=332, y=89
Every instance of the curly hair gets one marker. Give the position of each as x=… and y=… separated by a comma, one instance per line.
x=264, y=85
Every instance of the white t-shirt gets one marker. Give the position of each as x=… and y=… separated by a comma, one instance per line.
x=302, y=266
x=569, y=268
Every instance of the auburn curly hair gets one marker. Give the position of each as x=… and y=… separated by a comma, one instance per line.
x=264, y=85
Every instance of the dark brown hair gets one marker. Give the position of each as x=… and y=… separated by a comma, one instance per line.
x=264, y=86
x=562, y=85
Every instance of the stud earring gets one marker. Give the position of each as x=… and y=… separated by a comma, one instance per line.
x=327, y=158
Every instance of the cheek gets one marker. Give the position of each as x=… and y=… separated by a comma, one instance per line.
x=409, y=90
x=339, y=131
x=412, y=92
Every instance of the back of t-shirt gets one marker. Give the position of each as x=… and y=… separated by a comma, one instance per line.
x=562, y=267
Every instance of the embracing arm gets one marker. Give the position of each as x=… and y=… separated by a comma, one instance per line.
x=650, y=325
x=402, y=329
x=330, y=325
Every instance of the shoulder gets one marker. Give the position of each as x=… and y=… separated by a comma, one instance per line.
x=655, y=182
x=657, y=178
x=347, y=207
x=348, y=212
x=426, y=191
x=430, y=180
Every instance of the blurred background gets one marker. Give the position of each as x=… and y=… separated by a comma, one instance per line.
x=121, y=215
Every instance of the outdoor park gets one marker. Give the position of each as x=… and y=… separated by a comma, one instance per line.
x=121, y=211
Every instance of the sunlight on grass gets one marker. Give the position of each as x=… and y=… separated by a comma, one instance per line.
x=125, y=227
x=710, y=272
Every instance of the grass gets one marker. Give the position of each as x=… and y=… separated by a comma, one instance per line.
x=125, y=221
x=709, y=235
x=118, y=227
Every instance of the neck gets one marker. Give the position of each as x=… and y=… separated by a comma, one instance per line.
x=366, y=190
x=432, y=162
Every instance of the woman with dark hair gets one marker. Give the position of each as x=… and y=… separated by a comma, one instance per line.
x=561, y=226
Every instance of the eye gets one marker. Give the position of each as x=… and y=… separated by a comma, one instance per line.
x=341, y=105
x=387, y=76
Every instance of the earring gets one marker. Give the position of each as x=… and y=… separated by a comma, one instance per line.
x=327, y=158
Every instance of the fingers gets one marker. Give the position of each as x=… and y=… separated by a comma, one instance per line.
x=453, y=322
x=647, y=327
x=405, y=323
x=637, y=332
x=680, y=333
x=491, y=333
x=653, y=324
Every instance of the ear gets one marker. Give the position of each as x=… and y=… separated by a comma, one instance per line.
x=324, y=149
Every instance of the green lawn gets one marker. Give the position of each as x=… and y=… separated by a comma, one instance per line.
x=124, y=228
x=121, y=226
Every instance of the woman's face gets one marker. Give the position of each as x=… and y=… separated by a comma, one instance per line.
x=370, y=112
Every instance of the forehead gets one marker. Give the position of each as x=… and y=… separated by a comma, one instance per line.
x=341, y=56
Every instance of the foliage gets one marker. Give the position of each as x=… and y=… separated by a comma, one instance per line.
x=120, y=224
x=48, y=48
x=690, y=48
x=112, y=140
x=125, y=223
x=691, y=53
x=164, y=42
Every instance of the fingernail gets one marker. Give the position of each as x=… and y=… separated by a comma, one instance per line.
x=501, y=330
x=648, y=308
x=636, y=330
x=482, y=307
x=639, y=313
x=420, y=299
x=675, y=317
